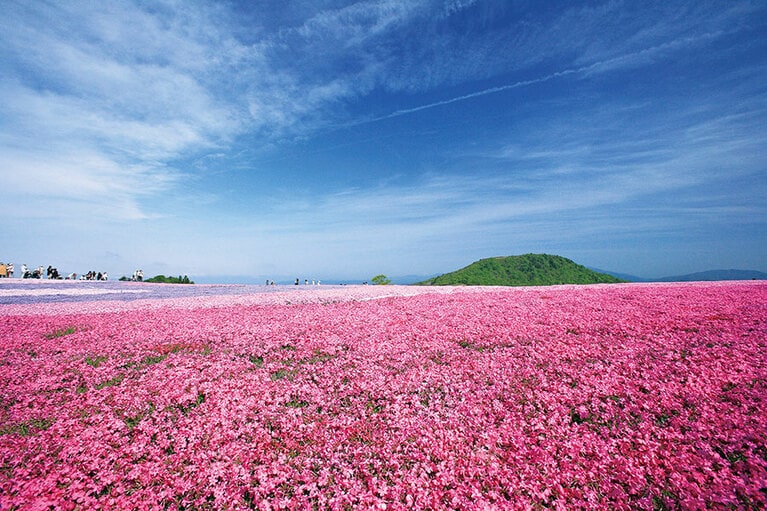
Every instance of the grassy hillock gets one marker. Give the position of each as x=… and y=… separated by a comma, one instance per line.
x=521, y=270
x=162, y=279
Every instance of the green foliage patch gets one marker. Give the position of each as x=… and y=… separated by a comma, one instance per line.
x=188, y=407
x=96, y=361
x=27, y=428
x=111, y=382
x=381, y=280
x=153, y=359
x=162, y=279
x=61, y=332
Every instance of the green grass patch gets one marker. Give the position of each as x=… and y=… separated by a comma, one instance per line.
x=185, y=409
x=153, y=359
x=96, y=361
x=297, y=403
x=280, y=374
x=111, y=382
x=374, y=405
x=133, y=420
x=468, y=345
x=319, y=357
x=731, y=456
x=61, y=332
x=664, y=419
x=27, y=428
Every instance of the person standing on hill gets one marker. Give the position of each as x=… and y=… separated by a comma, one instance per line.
x=9, y=268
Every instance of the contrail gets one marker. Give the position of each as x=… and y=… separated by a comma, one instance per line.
x=623, y=59
x=491, y=90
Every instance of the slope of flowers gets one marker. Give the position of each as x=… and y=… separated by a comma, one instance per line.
x=594, y=397
x=67, y=297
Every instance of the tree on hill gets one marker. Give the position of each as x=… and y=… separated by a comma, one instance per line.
x=381, y=280
x=522, y=270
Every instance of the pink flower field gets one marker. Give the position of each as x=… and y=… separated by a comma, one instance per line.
x=636, y=396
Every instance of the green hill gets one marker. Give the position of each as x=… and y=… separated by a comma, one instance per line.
x=162, y=279
x=522, y=270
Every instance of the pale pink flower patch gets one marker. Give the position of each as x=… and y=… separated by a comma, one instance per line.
x=592, y=397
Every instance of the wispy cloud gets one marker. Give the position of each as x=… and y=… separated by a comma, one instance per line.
x=629, y=60
x=97, y=100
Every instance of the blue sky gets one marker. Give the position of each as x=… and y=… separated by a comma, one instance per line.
x=338, y=140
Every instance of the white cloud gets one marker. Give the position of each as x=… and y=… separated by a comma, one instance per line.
x=97, y=99
x=355, y=23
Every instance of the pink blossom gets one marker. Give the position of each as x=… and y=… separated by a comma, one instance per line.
x=633, y=396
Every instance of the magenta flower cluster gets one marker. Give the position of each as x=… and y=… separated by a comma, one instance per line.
x=572, y=397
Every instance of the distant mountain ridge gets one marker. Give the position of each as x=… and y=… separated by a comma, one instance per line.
x=521, y=270
x=717, y=275
x=702, y=276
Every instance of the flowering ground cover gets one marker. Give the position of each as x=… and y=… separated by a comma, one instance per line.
x=571, y=397
x=29, y=297
x=28, y=292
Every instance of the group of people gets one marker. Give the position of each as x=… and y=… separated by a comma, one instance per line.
x=7, y=270
x=92, y=275
x=306, y=282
